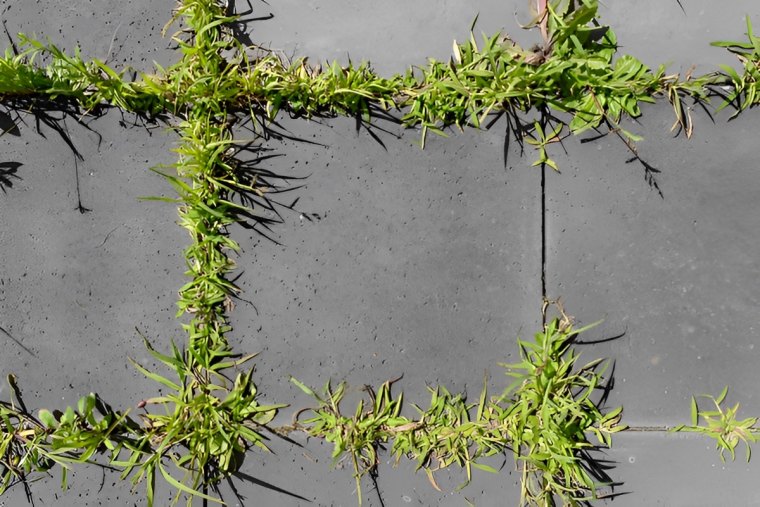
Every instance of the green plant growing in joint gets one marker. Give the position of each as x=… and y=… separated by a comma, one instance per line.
x=214, y=422
x=722, y=425
x=743, y=88
x=540, y=140
x=30, y=445
x=551, y=412
x=545, y=419
x=358, y=436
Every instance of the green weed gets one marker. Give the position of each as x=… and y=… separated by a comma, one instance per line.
x=722, y=425
x=544, y=419
x=743, y=88
x=30, y=444
x=551, y=412
x=574, y=71
x=206, y=426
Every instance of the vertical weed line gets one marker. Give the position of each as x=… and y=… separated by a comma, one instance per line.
x=214, y=420
x=201, y=170
x=196, y=434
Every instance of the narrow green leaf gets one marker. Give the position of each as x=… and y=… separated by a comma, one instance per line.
x=154, y=376
x=184, y=488
x=721, y=396
x=485, y=468
x=306, y=389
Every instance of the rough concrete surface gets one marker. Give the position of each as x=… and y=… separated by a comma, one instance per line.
x=123, y=33
x=394, y=260
x=75, y=286
x=660, y=32
x=679, y=470
x=676, y=274
x=393, y=35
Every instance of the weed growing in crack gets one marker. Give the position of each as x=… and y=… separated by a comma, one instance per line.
x=90, y=84
x=550, y=413
x=742, y=90
x=213, y=420
x=544, y=419
x=722, y=425
x=30, y=444
x=195, y=435
x=574, y=72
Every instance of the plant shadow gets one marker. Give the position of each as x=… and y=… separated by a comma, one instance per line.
x=9, y=175
x=650, y=171
x=274, y=190
x=593, y=459
x=53, y=115
x=241, y=499
x=239, y=27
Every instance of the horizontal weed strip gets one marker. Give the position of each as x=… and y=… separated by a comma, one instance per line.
x=543, y=418
x=194, y=436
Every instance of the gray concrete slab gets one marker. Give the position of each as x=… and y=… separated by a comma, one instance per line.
x=679, y=470
x=395, y=262
x=660, y=32
x=676, y=273
x=76, y=285
x=121, y=33
x=309, y=474
x=393, y=35
x=655, y=31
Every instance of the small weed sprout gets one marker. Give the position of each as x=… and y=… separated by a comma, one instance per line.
x=722, y=425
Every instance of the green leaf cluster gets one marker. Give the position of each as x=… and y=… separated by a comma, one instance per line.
x=206, y=426
x=552, y=412
x=30, y=445
x=544, y=419
x=743, y=89
x=722, y=425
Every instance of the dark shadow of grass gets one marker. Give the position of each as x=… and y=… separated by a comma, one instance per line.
x=52, y=114
x=9, y=174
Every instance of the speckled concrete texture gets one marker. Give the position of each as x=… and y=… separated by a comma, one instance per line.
x=393, y=261
x=676, y=273
x=660, y=32
x=123, y=33
x=393, y=35
x=679, y=470
x=75, y=286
